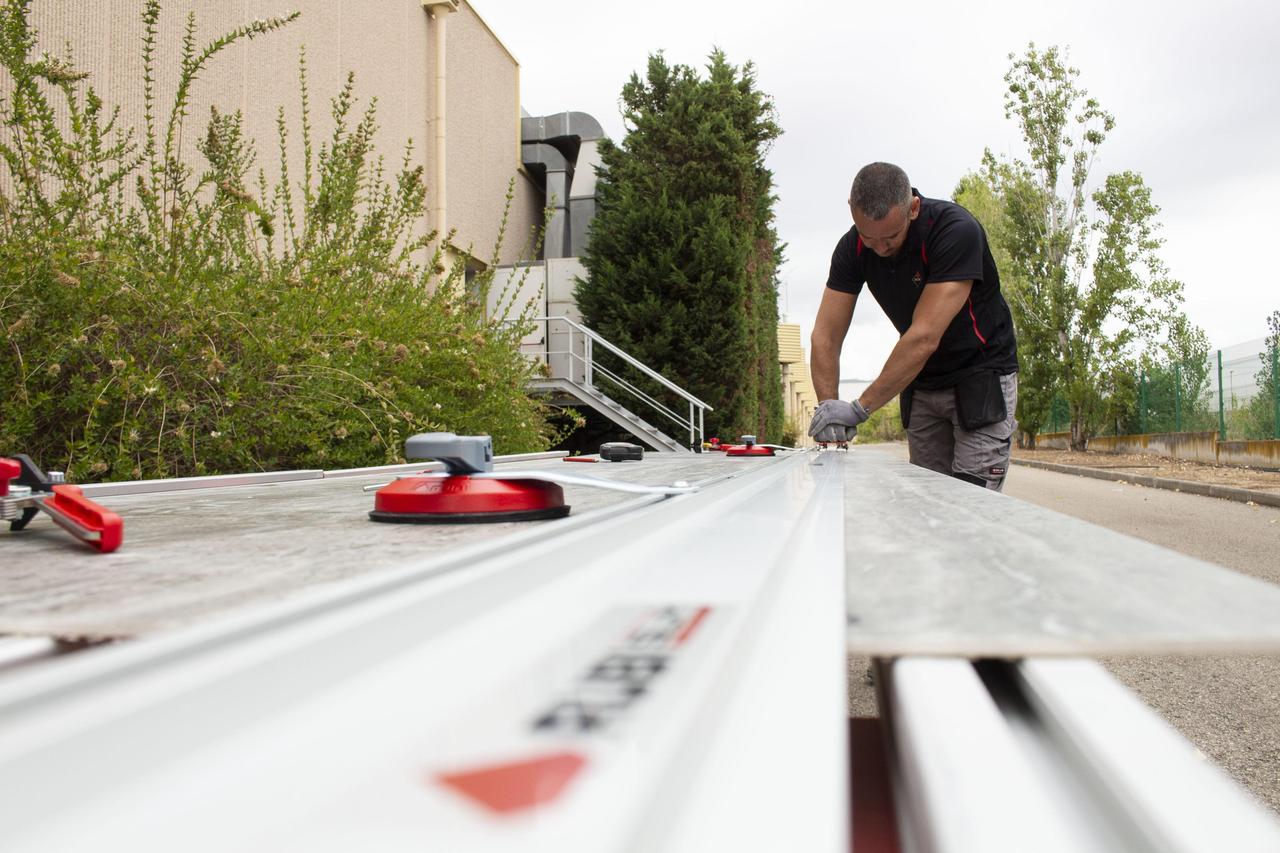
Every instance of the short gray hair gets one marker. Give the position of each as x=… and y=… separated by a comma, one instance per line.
x=879, y=188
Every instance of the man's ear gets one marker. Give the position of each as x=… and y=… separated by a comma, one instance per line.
x=915, y=206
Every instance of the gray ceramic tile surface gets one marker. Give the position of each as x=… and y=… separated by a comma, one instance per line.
x=192, y=553
x=938, y=566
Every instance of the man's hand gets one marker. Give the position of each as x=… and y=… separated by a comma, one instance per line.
x=836, y=420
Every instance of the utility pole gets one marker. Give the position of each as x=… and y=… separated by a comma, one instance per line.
x=1177, y=398
x=1222, y=416
x=1142, y=402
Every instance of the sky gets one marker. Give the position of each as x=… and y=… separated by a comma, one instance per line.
x=1194, y=88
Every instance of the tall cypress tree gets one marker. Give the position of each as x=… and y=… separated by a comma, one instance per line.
x=682, y=264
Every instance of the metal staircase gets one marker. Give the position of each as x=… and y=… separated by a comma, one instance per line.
x=574, y=376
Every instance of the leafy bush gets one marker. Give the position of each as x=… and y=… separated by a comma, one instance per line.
x=885, y=424
x=160, y=322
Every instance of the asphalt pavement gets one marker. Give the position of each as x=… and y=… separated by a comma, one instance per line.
x=1236, y=535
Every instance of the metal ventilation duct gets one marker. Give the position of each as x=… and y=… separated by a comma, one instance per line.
x=576, y=136
x=557, y=172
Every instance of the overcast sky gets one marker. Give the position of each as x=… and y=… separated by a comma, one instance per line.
x=1194, y=88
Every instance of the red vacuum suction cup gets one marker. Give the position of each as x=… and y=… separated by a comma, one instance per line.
x=748, y=448
x=457, y=497
x=460, y=499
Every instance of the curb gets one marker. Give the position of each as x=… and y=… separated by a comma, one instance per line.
x=1213, y=490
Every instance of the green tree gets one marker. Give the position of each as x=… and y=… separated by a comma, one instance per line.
x=1004, y=215
x=682, y=264
x=1089, y=293
x=1261, y=411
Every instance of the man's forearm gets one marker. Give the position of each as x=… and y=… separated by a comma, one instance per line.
x=824, y=369
x=904, y=364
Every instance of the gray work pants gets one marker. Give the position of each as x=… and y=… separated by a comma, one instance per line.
x=937, y=441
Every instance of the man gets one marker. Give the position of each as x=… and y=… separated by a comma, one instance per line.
x=955, y=365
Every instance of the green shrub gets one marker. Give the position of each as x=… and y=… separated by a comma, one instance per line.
x=885, y=424
x=157, y=321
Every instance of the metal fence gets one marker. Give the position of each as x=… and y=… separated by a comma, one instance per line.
x=1243, y=386
x=1234, y=392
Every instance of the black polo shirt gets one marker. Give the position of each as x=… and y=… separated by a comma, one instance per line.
x=944, y=243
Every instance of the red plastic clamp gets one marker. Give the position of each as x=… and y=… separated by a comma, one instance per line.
x=90, y=517
x=9, y=470
x=89, y=522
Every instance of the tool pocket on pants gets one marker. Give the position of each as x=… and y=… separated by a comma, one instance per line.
x=980, y=400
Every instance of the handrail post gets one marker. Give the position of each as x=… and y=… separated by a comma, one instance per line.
x=568, y=355
x=573, y=357
x=691, y=444
x=590, y=367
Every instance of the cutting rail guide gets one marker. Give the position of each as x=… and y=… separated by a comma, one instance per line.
x=260, y=666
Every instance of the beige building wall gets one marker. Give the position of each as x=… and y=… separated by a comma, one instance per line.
x=390, y=47
x=484, y=144
x=799, y=398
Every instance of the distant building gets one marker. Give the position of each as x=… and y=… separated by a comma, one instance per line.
x=798, y=397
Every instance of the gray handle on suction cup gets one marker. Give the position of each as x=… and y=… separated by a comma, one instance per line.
x=460, y=454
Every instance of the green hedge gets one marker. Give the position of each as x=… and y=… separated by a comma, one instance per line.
x=158, y=321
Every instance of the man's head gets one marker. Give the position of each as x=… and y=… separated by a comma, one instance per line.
x=883, y=207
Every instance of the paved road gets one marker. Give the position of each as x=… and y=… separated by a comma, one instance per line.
x=1229, y=707
x=1238, y=536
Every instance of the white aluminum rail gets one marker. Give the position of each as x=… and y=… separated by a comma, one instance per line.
x=219, y=481
x=635, y=655
x=580, y=352
x=1050, y=755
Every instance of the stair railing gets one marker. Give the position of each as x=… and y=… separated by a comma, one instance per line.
x=577, y=363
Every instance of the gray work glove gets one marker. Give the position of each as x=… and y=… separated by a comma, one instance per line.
x=836, y=420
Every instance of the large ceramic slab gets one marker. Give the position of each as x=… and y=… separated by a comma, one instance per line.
x=939, y=566
x=187, y=554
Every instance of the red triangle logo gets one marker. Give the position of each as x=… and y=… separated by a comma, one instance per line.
x=506, y=788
